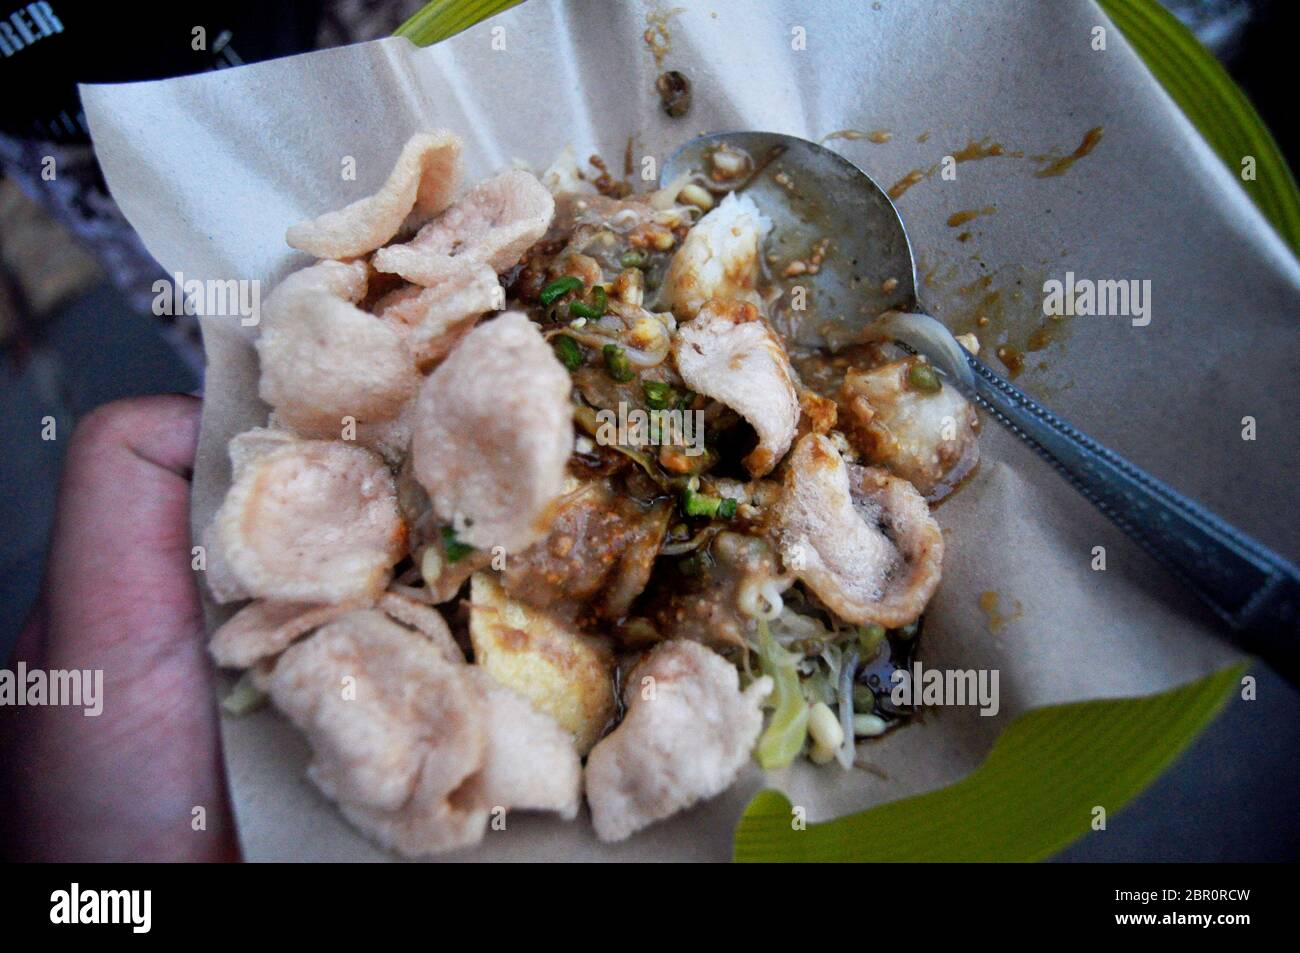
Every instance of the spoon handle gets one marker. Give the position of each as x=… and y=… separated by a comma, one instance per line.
x=1252, y=589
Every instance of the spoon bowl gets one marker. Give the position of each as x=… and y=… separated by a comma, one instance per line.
x=812, y=194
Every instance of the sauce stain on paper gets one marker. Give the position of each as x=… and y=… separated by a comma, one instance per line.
x=990, y=603
x=958, y=219
x=878, y=136
x=656, y=34
x=976, y=150
x=1059, y=165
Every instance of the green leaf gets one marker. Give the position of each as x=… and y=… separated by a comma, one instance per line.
x=1032, y=796
x=1219, y=110
x=443, y=18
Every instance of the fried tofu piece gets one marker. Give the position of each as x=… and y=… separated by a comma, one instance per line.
x=563, y=673
x=312, y=334
x=688, y=731
x=304, y=521
x=730, y=354
x=493, y=225
x=419, y=187
x=718, y=259
x=493, y=430
x=862, y=540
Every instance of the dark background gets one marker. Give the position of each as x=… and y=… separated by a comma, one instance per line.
x=1232, y=796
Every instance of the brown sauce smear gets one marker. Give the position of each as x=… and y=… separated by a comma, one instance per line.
x=1059, y=165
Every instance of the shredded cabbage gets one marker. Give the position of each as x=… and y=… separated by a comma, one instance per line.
x=784, y=737
x=245, y=697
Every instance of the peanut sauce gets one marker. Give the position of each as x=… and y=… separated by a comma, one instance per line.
x=958, y=219
x=1060, y=165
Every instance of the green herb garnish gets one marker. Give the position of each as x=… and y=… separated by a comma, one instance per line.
x=617, y=364
x=569, y=352
x=558, y=288
x=659, y=395
x=453, y=547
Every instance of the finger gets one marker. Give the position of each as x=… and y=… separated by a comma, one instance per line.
x=121, y=541
x=121, y=603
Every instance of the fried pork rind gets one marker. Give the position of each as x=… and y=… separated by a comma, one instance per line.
x=562, y=672
x=419, y=187
x=324, y=359
x=718, y=259
x=860, y=539
x=305, y=521
x=728, y=353
x=494, y=224
x=688, y=731
x=493, y=433
x=928, y=439
x=395, y=730
x=432, y=320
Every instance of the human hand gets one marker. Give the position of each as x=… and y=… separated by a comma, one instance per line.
x=119, y=597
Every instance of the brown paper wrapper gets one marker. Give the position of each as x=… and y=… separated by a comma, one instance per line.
x=212, y=169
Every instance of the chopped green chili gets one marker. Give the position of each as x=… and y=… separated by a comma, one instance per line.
x=617, y=364
x=580, y=309
x=658, y=394
x=699, y=504
x=558, y=288
x=569, y=352
x=453, y=547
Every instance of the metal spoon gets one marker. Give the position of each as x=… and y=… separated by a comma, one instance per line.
x=810, y=192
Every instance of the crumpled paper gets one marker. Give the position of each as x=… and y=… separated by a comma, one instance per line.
x=211, y=170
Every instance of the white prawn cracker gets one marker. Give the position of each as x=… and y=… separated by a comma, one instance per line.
x=309, y=521
x=719, y=258
x=313, y=335
x=494, y=224
x=420, y=186
x=493, y=435
x=728, y=353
